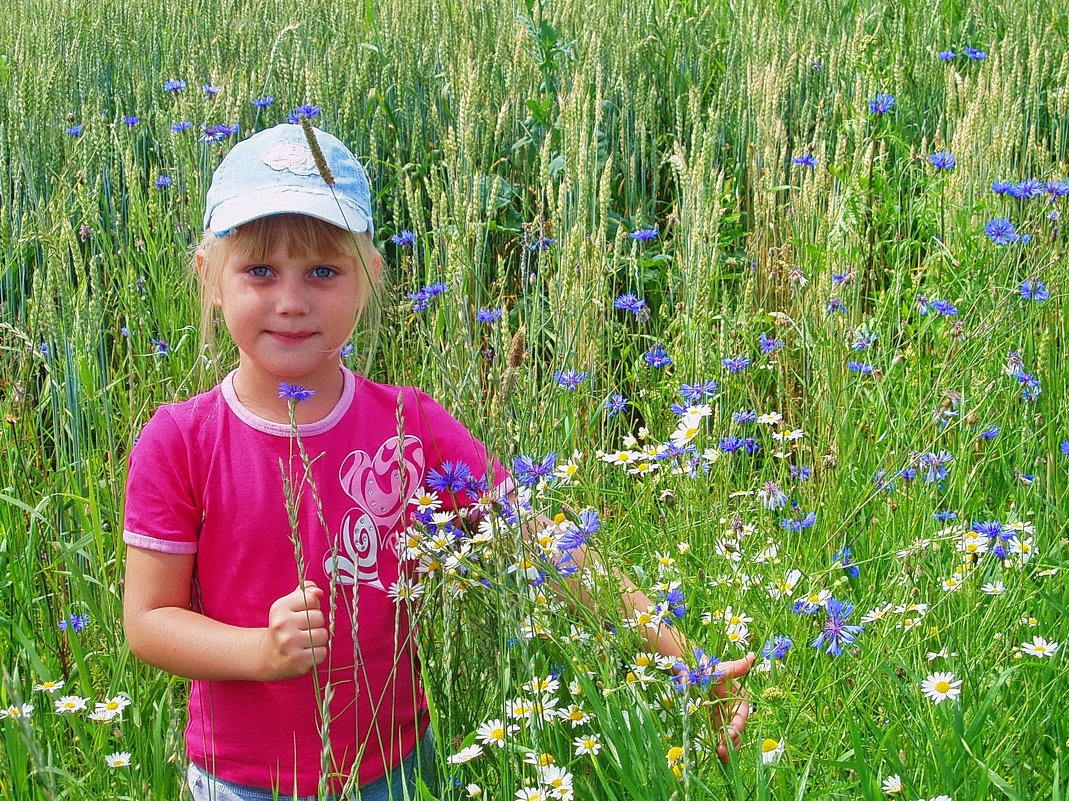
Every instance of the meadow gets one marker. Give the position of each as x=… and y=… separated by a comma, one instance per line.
x=764, y=300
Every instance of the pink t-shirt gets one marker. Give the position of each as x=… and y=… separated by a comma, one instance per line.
x=206, y=478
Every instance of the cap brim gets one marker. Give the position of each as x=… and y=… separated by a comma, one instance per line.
x=267, y=202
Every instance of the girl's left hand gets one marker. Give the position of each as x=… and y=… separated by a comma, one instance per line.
x=730, y=708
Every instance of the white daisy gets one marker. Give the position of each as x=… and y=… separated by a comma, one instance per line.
x=49, y=686
x=1039, y=647
x=494, y=732
x=465, y=755
x=70, y=703
x=120, y=759
x=893, y=784
x=771, y=750
x=586, y=745
x=941, y=686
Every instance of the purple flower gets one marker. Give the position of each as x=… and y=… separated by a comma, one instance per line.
x=843, y=557
x=696, y=393
x=453, y=477
x=1001, y=187
x=942, y=160
x=945, y=515
x=731, y=444
x=131, y=119
x=544, y=243
x=769, y=345
x=263, y=102
x=973, y=53
x=74, y=130
x=737, y=364
x=805, y=161
x=163, y=182
x=162, y=348
x=944, y=308
x=405, y=239
x=616, y=404
x=76, y=622
x=836, y=305
x=702, y=675
x=1034, y=290
x=798, y=525
x=347, y=350
x=1057, y=189
x=837, y=632
x=486, y=315
x=217, y=133
x=576, y=536
x=529, y=471
x=569, y=379
x=841, y=278
x=1064, y=447
x=306, y=110
x=989, y=433
x=1001, y=231
x=881, y=103
x=860, y=367
x=178, y=127
x=643, y=234
x=777, y=647
x=294, y=392
x=946, y=55
x=629, y=302
x=744, y=416
x=800, y=474
x=934, y=462
x=211, y=90
x=657, y=357
x=174, y=85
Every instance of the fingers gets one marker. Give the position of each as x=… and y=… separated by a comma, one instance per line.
x=737, y=668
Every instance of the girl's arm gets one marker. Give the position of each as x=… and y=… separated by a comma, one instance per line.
x=164, y=632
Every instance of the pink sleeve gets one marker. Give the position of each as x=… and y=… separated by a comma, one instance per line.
x=163, y=511
x=455, y=457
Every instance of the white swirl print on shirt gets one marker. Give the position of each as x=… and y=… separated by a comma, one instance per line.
x=380, y=492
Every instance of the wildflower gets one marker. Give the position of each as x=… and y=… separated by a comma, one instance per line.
x=76, y=622
x=737, y=364
x=934, y=462
x=163, y=182
x=805, y=161
x=1001, y=231
x=946, y=55
x=405, y=239
x=305, y=110
x=217, y=133
x=1001, y=187
x=837, y=632
x=1064, y=447
x=892, y=784
x=1034, y=290
x=942, y=160
x=945, y=515
x=111, y=708
x=644, y=234
x=1027, y=189
x=786, y=587
x=17, y=712
x=629, y=302
x=465, y=755
x=860, y=367
x=263, y=102
x=178, y=127
x=798, y=525
x=657, y=357
x=120, y=759
x=174, y=85
x=69, y=703
x=494, y=732
x=486, y=315
x=777, y=647
x=989, y=433
x=941, y=686
x=881, y=103
x=1039, y=647
x=836, y=305
x=616, y=404
x=569, y=379
x=49, y=686
x=452, y=477
x=769, y=418
x=945, y=308
x=842, y=557
x=587, y=745
x=74, y=130
x=973, y=53
x=769, y=345
x=131, y=120
x=771, y=750
x=347, y=350
x=744, y=416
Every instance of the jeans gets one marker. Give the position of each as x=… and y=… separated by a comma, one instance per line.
x=398, y=785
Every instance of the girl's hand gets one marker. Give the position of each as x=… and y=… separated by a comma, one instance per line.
x=296, y=636
x=731, y=709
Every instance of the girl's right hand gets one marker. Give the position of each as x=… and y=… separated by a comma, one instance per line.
x=296, y=637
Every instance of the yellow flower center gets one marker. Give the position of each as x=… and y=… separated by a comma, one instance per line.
x=768, y=745
x=942, y=686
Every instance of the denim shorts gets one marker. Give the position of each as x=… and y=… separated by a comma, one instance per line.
x=398, y=785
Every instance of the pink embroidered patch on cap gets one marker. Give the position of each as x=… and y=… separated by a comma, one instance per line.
x=291, y=157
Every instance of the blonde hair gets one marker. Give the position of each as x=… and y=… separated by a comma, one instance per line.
x=303, y=237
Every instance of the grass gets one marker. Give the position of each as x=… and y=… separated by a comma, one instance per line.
x=489, y=127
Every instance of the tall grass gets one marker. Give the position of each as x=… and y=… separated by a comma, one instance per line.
x=490, y=128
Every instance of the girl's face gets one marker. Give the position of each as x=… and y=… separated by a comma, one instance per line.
x=289, y=315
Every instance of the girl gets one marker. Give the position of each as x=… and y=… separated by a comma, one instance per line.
x=262, y=565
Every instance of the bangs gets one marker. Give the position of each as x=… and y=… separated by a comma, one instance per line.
x=301, y=236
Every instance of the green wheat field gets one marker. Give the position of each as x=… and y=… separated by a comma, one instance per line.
x=766, y=299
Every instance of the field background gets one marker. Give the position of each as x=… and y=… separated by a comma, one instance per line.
x=489, y=129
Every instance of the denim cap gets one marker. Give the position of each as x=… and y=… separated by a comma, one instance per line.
x=274, y=172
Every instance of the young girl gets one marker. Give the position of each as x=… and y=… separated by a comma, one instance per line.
x=265, y=566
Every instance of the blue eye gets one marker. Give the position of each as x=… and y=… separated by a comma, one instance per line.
x=323, y=272
x=260, y=271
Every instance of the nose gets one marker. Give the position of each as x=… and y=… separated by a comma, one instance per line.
x=291, y=299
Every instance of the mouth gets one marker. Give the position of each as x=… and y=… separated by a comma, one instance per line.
x=292, y=336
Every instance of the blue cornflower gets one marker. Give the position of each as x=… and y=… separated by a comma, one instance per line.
x=839, y=279
x=124, y=331
x=881, y=103
x=800, y=474
x=569, y=379
x=131, y=119
x=294, y=392
x=843, y=557
x=453, y=477
x=306, y=110
x=1034, y=290
x=74, y=130
x=263, y=102
x=836, y=305
x=751, y=444
x=543, y=243
x=777, y=647
x=943, y=160
x=945, y=308
x=211, y=90
x=696, y=393
x=1064, y=447
x=217, y=133
x=419, y=299
x=989, y=433
x=475, y=487
x=1027, y=189
x=860, y=367
x=487, y=315
x=1001, y=187
x=405, y=239
x=805, y=161
x=675, y=600
x=1057, y=189
x=702, y=675
x=657, y=357
x=348, y=350
x=178, y=127
x=529, y=470
x=768, y=345
x=989, y=528
x=737, y=364
x=973, y=53
x=934, y=462
x=731, y=444
x=837, y=632
x=945, y=515
x=1001, y=231
x=174, y=85
x=162, y=348
x=744, y=416
x=76, y=622
x=798, y=525
x=163, y=181
x=436, y=288
x=616, y=404
x=575, y=536
x=643, y=234
x=864, y=340
x=946, y=55
x=629, y=302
